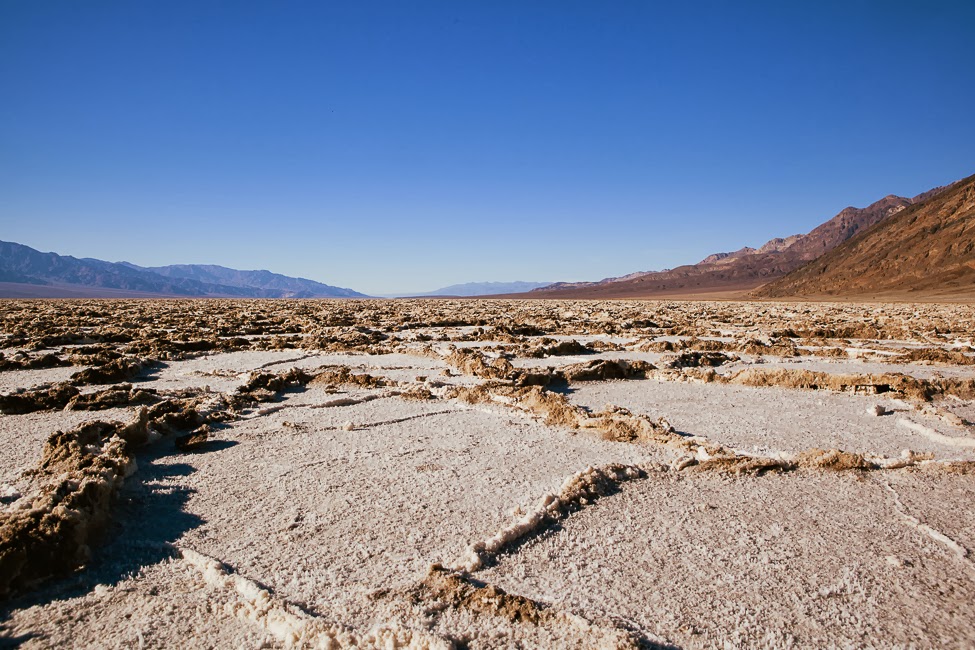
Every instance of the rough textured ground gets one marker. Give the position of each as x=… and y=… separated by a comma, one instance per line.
x=486, y=474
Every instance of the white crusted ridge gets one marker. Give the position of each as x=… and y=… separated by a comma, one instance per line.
x=294, y=627
x=934, y=436
x=577, y=490
x=914, y=522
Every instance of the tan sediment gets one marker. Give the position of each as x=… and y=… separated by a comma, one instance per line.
x=832, y=459
x=79, y=474
x=909, y=387
x=547, y=347
x=118, y=370
x=343, y=376
x=472, y=362
x=54, y=396
x=604, y=369
x=22, y=361
x=937, y=355
x=119, y=395
x=443, y=588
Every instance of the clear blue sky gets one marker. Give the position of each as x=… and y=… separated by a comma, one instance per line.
x=403, y=146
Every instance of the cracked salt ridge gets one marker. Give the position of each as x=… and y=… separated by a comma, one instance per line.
x=752, y=420
x=936, y=535
x=808, y=558
x=848, y=366
x=128, y=613
x=291, y=625
x=228, y=370
x=323, y=396
x=23, y=437
x=577, y=491
x=372, y=507
x=936, y=502
x=966, y=442
x=312, y=399
x=558, y=361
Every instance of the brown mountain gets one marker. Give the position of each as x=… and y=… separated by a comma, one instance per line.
x=730, y=274
x=927, y=249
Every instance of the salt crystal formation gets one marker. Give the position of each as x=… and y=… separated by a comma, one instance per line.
x=486, y=474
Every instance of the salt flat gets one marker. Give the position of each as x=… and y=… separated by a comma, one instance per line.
x=807, y=560
x=772, y=419
x=487, y=474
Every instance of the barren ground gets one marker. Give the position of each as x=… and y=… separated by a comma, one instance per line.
x=486, y=474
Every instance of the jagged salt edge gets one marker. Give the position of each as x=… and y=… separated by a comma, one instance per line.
x=700, y=453
x=550, y=505
x=914, y=522
x=934, y=436
x=292, y=626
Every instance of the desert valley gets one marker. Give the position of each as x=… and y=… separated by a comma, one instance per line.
x=547, y=325
x=488, y=473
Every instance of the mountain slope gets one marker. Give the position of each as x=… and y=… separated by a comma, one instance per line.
x=24, y=271
x=742, y=270
x=927, y=248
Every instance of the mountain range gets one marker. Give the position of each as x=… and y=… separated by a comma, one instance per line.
x=922, y=246
x=925, y=250
x=736, y=273
x=26, y=272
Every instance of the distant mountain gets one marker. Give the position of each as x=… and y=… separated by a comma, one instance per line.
x=25, y=271
x=775, y=245
x=486, y=288
x=262, y=280
x=742, y=270
x=927, y=248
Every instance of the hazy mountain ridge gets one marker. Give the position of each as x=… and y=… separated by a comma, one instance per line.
x=260, y=279
x=469, y=289
x=24, y=265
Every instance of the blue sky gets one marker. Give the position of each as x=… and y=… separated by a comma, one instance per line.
x=404, y=146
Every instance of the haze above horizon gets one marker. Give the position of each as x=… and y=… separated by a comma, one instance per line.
x=397, y=148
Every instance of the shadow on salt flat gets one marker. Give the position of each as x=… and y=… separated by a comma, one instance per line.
x=148, y=517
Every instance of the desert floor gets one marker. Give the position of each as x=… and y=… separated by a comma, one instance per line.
x=486, y=474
